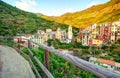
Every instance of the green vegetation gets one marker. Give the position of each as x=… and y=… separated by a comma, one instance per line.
x=102, y=13
x=61, y=68
x=15, y=21
x=57, y=44
x=109, y=52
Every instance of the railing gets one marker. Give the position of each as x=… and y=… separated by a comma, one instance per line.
x=96, y=70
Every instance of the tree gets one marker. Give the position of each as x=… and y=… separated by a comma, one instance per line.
x=118, y=41
x=49, y=42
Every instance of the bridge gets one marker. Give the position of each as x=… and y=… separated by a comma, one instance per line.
x=80, y=63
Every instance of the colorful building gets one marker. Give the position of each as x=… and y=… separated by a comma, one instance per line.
x=63, y=36
x=53, y=34
x=80, y=34
x=113, y=31
x=95, y=42
x=85, y=38
x=49, y=33
x=107, y=32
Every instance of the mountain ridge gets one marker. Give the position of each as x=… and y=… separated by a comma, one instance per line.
x=102, y=13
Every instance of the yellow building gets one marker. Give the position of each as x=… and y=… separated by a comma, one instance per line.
x=97, y=42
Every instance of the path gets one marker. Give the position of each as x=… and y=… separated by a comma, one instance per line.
x=12, y=65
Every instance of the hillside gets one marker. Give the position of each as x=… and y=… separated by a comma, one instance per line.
x=15, y=21
x=107, y=12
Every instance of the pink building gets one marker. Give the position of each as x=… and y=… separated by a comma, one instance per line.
x=81, y=33
x=53, y=34
x=101, y=32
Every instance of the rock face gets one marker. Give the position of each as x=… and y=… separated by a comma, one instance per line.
x=13, y=65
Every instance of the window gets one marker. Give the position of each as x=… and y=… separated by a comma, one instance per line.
x=111, y=66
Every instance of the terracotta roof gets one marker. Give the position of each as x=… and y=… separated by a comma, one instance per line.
x=27, y=35
x=61, y=49
x=21, y=42
x=109, y=62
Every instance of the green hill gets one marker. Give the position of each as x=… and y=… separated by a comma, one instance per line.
x=15, y=21
x=107, y=12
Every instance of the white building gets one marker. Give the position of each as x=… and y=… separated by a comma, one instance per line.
x=85, y=38
x=63, y=36
x=58, y=34
x=113, y=31
x=53, y=34
x=70, y=34
x=40, y=32
x=37, y=38
x=49, y=33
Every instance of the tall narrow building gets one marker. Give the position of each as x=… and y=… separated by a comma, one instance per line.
x=70, y=34
x=58, y=34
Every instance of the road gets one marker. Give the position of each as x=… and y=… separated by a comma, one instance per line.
x=13, y=65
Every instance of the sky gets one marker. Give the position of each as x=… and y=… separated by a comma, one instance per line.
x=53, y=7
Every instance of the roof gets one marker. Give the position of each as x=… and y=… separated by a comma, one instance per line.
x=109, y=62
x=27, y=35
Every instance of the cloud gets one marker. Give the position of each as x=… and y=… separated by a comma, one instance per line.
x=92, y=3
x=25, y=4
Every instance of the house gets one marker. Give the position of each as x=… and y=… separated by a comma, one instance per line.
x=85, y=38
x=53, y=34
x=101, y=30
x=94, y=34
x=117, y=33
x=16, y=38
x=95, y=42
x=110, y=65
x=100, y=37
x=26, y=36
x=40, y=32
x=113, y=31
x=80, y=33
x=37, y=38
x=49, y=33
x=107, y=31
x=63, y=36
x=23, y=39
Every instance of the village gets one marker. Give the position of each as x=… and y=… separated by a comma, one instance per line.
x=93, y=35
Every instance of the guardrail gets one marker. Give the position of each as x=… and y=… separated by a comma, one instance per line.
x=96, y=70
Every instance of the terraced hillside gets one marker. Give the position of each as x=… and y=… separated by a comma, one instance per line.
x=106, y=12
x=15, y=21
